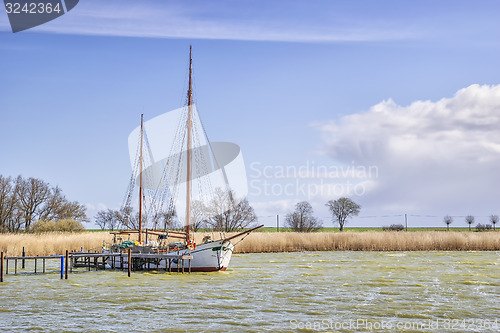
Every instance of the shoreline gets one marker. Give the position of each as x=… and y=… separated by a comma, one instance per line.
x=267, y=242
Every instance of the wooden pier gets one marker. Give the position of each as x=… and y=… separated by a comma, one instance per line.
x=140, y=261
x=99, y=260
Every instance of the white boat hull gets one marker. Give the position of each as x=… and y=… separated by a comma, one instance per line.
x=208, y=257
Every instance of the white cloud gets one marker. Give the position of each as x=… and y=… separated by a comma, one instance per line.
x=271, y=208
x=95, y=207
x=434, y=156
x=214, y=21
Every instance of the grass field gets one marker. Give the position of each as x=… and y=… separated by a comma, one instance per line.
x=360, y=239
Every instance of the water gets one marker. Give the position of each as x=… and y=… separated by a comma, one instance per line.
x=279, y=292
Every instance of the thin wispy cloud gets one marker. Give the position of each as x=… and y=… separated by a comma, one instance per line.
x=171, y=20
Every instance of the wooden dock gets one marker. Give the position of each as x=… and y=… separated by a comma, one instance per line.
x=140, y=261
x=99, y=260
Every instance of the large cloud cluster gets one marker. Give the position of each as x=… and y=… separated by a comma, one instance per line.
x=432, y=156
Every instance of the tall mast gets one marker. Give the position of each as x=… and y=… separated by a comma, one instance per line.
x=140, y=185
x=189, y=125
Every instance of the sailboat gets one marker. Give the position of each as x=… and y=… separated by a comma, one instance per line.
x=211, y=255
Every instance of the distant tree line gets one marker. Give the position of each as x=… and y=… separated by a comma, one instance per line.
x=469, y=219
x=24, y=201
x=126, y=218
x=222, y=213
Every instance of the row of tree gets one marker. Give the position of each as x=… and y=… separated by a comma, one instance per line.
x=469, y=219
x=24, y=201
x=222, y=213
x=303, y=220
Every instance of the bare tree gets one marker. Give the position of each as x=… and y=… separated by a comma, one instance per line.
x=11, y=217
x=7, y=203
x=342, y=209
x=494, y=220
x=224, y=213
x=199, y=216
x=168, y=220
x=106, y=219
x=128, y=219
x=302, y=218
x=448, y=220
x=24, y=201
x=72, y=211
x=31, y=194
x=54, y=202
x=469, y=219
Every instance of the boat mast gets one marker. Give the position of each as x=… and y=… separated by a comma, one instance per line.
x=189, y=125
x=140, y=184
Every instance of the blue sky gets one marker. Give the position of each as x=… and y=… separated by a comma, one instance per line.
x=410, y=88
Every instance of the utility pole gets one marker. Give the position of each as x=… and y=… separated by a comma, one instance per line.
x=277, y=223
x=406, y=222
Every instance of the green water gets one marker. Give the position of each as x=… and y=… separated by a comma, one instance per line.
x=280, y=292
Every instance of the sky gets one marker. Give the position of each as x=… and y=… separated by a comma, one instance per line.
x=395, y=104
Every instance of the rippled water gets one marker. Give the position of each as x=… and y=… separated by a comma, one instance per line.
x=282, y=292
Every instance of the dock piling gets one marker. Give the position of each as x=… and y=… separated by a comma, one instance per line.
x=66, y=265
x=1, y=267
x=129, y=261
x=62, y=266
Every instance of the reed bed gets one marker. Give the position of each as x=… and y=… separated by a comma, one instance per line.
x=370, y=241
x=52, y=242
x=59, y=242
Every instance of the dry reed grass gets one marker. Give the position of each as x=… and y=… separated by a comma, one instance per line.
x=51, y=242
x=370, y=241
x=58, y=242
